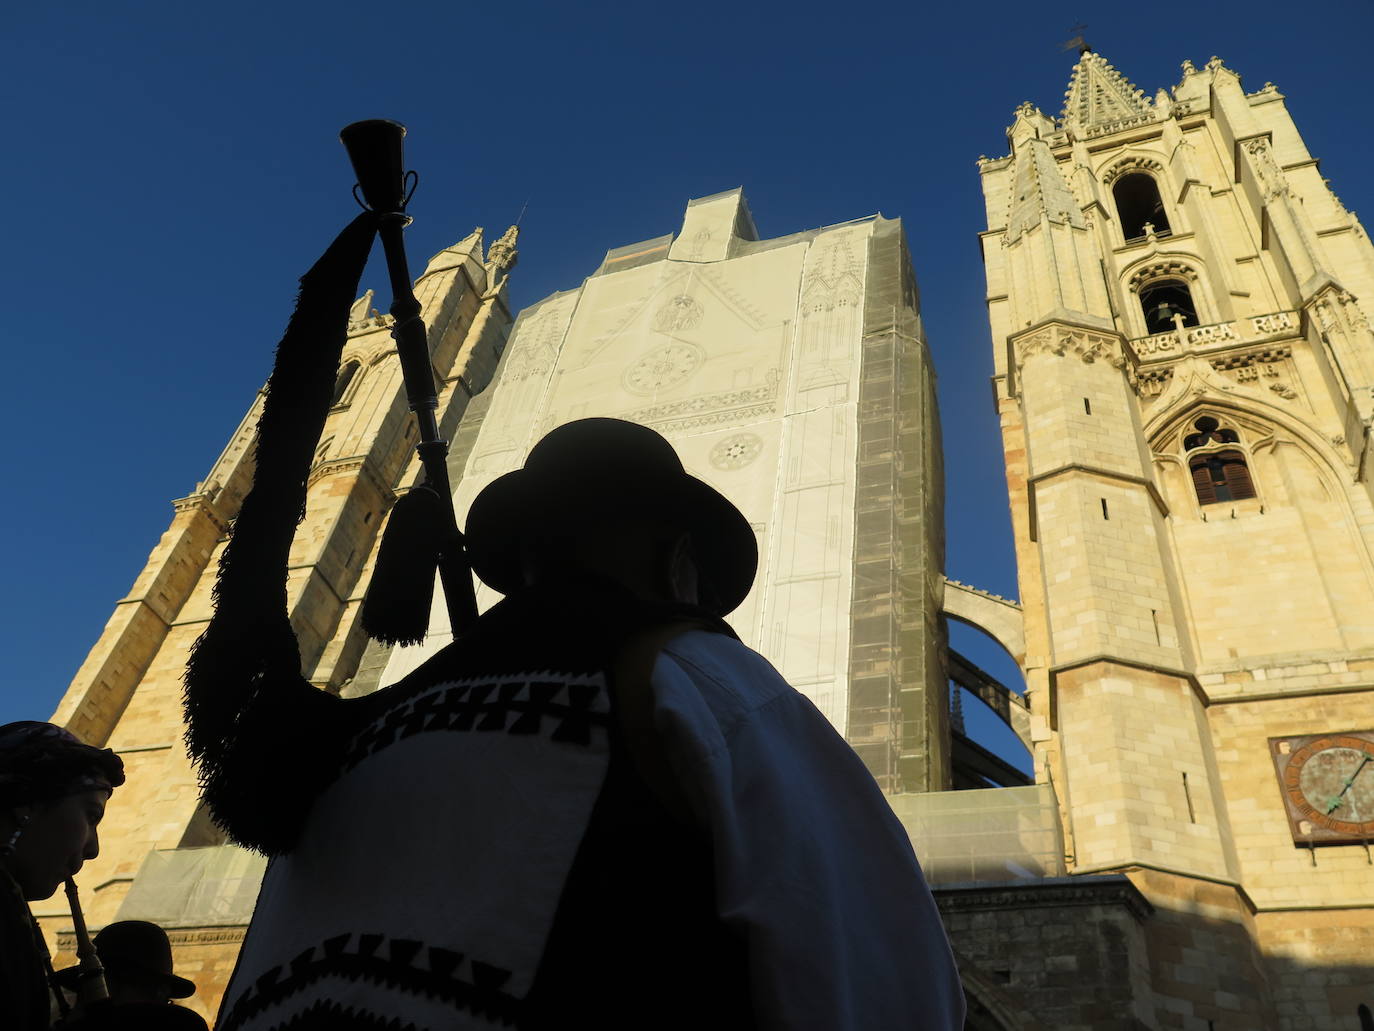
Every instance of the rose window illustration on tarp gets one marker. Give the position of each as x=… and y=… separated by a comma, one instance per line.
x=663, y=367
x=737, y=451
x=678, y=313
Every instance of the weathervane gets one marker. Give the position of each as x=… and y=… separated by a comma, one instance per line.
x=1077, y=41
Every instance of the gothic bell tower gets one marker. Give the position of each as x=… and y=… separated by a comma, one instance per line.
x=1185, y=379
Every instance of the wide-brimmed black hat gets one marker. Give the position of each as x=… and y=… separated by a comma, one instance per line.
x=141, y=947
x=608, y=467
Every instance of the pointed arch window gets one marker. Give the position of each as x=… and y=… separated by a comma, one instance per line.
x=1137, y=203
x=1219, y=471
x=346, y=377
x=1162, y=299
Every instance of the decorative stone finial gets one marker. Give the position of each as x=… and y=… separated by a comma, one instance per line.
x=358, y=314
x=503, y=256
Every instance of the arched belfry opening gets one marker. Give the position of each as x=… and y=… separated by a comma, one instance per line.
x=1219, y=470
x=345, y=380
x=1162, y=299
x=1138, y=203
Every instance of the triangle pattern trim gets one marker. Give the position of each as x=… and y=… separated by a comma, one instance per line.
x=1099, y=95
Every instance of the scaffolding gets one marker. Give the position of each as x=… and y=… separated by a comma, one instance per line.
x=992, y=835
x=195, y=887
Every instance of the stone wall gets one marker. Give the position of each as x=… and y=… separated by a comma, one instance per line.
x=1151, y=949
x=1062, y=954
x=1320, y=965
x=1204, y=962
x=1138, y=772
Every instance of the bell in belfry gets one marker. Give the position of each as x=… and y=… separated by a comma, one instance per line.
x=1164, y=313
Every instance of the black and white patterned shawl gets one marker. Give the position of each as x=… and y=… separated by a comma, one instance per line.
x=427, y=876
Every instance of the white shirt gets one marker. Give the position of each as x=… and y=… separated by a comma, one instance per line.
x=812, y=865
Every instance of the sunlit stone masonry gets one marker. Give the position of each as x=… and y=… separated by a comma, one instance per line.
x=1180, y=315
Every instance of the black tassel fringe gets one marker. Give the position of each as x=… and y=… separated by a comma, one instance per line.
x=396, y=610
x=251, y=716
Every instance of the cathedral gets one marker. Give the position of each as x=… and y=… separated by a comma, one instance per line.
x=1184, y=378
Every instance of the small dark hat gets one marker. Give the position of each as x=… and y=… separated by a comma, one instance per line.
x=41, y=761
x=599, y=467
x=141, y=947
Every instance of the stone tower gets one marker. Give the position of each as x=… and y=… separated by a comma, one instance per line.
x=161, y=858
x=1185, y=379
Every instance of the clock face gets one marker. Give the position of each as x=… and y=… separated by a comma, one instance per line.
x=1328, y=786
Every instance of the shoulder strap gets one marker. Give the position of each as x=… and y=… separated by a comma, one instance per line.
x=631, y=675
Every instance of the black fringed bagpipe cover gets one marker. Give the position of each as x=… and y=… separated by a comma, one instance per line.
x=254, y=724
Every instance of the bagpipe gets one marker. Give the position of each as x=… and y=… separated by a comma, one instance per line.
x=245, y=698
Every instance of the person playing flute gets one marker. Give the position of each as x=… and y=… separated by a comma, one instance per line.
x=53, y=791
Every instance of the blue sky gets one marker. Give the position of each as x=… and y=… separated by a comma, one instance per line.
x=172, y=168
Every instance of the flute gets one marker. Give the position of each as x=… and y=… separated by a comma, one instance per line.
x=90, y=977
